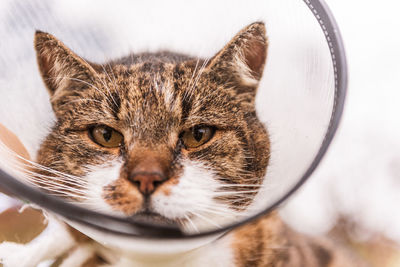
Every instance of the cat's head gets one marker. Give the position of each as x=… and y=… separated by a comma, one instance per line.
x=161, y=136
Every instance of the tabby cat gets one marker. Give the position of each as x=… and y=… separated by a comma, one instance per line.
x=169, y=138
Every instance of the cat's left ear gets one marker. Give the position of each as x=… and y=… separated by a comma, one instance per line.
x=242, y=60
x=58, y=65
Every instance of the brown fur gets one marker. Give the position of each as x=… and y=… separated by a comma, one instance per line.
x=151, y=98
x=269, y=242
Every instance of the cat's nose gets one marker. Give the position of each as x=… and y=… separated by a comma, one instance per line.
x=147, y=176
x=147, y=181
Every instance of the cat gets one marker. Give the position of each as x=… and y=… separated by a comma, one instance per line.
x=162, y=136
x=169, y=138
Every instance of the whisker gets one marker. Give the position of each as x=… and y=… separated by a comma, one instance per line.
x=14, y=159
x=192, y=224
x=49, y=180
x=215, y=206
x=224, y=214
x=190, y=90
x=60, y=177
x=61, y=193
x=242, y=185
x=191, y=79
x=205, y=219
x=224, y=193
x=89, y=84
x=107, y=88
x=112, y=73
x=47, y=184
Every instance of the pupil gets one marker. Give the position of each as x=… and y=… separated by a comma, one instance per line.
x=198, y=134
x=107, y=134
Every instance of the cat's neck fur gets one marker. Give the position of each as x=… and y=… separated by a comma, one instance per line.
x=265, y=242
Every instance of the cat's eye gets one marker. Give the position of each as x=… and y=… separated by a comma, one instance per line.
x=197, y=136
x=106, y=136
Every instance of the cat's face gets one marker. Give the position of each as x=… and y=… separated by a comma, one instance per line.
x=161, y=136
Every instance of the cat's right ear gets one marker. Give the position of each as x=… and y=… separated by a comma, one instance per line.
x=242, y=59
x=58, y=65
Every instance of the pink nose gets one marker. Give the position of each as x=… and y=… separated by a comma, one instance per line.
x=147, y=181
x=147, y=173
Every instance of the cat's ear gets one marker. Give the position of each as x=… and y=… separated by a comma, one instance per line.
x=58, y=65
x=243, y=58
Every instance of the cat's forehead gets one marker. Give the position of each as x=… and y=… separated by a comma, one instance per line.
x=148, y=99
x=153, y=86
x=166, y=91
x=137, y=80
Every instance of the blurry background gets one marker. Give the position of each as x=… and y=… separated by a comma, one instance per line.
x=360, y=176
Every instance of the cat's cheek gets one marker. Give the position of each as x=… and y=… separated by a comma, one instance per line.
x=107, y=192
x=188, y=194
x=123, y=197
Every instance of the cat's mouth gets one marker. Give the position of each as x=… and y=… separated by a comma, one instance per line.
x=153, y=218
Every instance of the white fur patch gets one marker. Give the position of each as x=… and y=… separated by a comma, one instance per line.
x=244, y=71
x=52, y=242
x=161, y=88
x=79, y=256
x=167, y=93
x=98, y=177
x=193, y=199
x=168, y=97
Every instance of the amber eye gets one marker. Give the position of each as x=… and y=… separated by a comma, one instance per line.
x=106, y=136
x=197, y=136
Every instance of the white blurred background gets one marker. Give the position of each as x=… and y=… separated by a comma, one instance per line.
x=360, y=175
